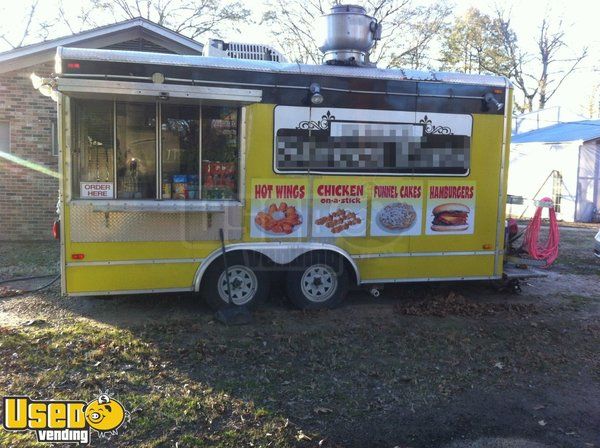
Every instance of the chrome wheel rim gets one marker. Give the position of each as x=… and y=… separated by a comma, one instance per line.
x=243, y=283
x=319, y=283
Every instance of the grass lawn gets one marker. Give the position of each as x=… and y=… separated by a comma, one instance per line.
x=422, y=366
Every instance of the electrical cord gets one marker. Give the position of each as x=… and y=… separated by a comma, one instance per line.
x=21, y=279
x=532, y=236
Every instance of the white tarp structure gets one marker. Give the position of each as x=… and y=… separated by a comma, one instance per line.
x=561, y=162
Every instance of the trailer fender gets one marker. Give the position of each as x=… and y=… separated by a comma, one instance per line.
x=278, y=253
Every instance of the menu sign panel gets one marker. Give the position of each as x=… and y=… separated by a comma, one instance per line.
x=339, y=209
x=450, y=208
x=397, y=209
x=279, y=208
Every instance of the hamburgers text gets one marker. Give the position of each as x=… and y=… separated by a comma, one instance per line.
x=450, y=218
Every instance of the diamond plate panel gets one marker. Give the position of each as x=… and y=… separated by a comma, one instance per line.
x=88, y=226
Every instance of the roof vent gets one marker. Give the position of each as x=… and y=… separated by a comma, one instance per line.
x=255, y=52
x=347, y=34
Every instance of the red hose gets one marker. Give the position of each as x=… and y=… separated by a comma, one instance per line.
x=532, y=235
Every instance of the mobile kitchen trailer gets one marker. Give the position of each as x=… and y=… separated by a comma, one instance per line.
x=326, y=174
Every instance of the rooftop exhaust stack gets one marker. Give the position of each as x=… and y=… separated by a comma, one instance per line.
x=347, y=34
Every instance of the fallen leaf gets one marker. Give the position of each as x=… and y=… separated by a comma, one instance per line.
x=321, y=410
x=301, y=436
x=537, y=407
x=499, y=365
x=541, y=423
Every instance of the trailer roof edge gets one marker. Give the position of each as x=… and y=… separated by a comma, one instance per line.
x=138, y=57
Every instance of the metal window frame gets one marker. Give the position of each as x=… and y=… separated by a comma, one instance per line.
x=54, y=137
x=241, y=143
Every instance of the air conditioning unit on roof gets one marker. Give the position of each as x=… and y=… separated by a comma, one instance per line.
x=255, y=52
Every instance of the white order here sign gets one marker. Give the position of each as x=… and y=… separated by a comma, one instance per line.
x=96, y=190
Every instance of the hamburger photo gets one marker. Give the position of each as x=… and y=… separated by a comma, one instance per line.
x=450, y=218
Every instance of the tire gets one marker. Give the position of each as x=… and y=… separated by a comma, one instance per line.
x=317, y=281
x=250, y=282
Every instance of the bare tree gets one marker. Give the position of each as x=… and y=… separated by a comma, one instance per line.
x=407, y=29
x=541, y=74
x=192, y=18
x=475, y=44
x=550, y=43
x=27, y=28
x=592, y=105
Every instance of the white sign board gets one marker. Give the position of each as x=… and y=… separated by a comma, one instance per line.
x=96, y=190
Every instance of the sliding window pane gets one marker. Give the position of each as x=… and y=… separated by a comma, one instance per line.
x=136, y=151
x=93, y=143
x=220, y=152
x=180, y=151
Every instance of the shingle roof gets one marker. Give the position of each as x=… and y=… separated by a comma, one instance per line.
x=10, y=59
x=562, y=132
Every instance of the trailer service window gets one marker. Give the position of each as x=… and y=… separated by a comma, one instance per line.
x=162, y=151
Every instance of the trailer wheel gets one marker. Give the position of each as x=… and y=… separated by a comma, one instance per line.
x=249, y=284
x=317, y=281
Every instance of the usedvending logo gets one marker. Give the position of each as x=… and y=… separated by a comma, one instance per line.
x=70, y=421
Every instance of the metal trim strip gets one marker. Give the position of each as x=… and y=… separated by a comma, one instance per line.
x=128, y=291
x=422, y=254
x=62, y=104
x=501, y=201
x=365, y=173
x=135, y=262
x=152, y=205
x=104, y=86
x=198, y=83
x=430, y=279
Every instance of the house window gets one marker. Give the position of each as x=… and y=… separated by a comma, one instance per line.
x=4, y=136
x=161, y=151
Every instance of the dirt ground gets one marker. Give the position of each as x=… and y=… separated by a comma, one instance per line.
x=425, y=365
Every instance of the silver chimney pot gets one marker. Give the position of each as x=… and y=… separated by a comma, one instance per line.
x=347, y=34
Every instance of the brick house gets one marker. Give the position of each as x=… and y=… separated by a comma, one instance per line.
x=28, y=148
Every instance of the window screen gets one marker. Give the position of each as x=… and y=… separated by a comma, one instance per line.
x=93, y=143
x=157, y=151
x=136, y=150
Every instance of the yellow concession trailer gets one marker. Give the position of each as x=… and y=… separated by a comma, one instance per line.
x=325, y=175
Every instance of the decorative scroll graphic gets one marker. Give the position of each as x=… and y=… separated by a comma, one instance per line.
x=321, y=125
x=430, y=128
